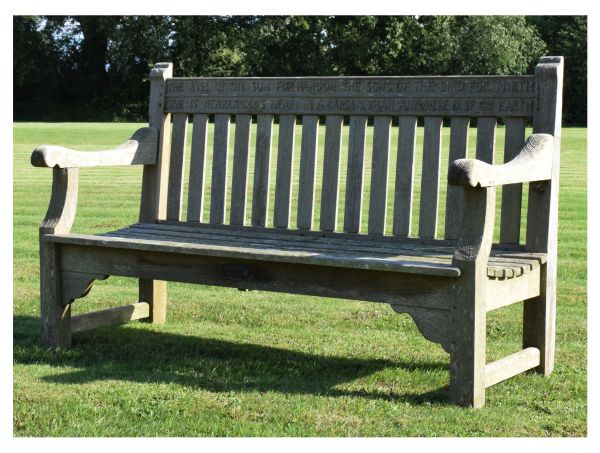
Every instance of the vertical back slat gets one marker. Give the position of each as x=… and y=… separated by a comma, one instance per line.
x=510, y=217
x=379, y=174
x=195, y=206
x=218, y=190
x=308, y=166
x=240, y=169
x=430, y=180
x=486, y=139
x=331, y=172
x=355, y=173
x=262, y=164
x=403, y=192
x=176, y=165
x=459, y=142
x=285, y=167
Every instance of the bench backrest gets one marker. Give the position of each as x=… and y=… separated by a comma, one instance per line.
x=292, y=109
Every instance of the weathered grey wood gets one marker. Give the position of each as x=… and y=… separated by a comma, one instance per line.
x=511, y=365
x=176, y=167
x=110, y=316
x=416, y=96
x=218, y=188
x=503, y=292
x=140, y=149
x=331, y=173
x=239, y=183
x=510, y=214
x=285, y=169
x=486, y=139
x=63, y=202
x=434, y=324
x=534, y=163
x=355, y=173
x=379, y=174
x=468, y=305
x=262, y=168
x=459, y=143
x=355, y=284
x=542, y=216
x=153, y=205
x=195, y=205
x=308, y=171
x=404, y=175
x=430, y=179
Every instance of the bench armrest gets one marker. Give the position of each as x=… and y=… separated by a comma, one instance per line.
x=140, y=149
x=533, y=163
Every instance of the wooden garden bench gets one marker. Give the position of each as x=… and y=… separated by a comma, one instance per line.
x=445, y=280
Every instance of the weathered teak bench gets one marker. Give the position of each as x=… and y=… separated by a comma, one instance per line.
x=447, y=285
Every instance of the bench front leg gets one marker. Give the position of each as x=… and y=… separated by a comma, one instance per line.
x=468, y=309
x=154, y=292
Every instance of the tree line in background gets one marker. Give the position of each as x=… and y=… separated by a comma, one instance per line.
x=95, y=68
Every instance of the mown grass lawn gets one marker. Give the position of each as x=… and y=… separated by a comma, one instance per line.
x=231, y=363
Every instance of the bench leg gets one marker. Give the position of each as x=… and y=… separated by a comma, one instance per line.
x=539, y=319
x=468, y=344
x=154, y=292
x=55, y=317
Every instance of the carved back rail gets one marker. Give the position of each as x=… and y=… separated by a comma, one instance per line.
x=263, y=120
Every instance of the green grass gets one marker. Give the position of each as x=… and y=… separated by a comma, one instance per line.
x=230, y=363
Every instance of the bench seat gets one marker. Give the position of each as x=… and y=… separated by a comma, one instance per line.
x=418, y=257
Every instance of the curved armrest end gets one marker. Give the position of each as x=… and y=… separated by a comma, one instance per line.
x=533, y=163
x=140, y=149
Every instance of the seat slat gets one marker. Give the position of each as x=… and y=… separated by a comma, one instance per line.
x=510, y=215
x=355, y=173
x=239, y=183
x=459, y=142
x=262, y=168
x=430, y=180
x=176, y=166
x=486, y=139
x=218, y=189
x=285, y=168
x=195, y=207
x=331, y=172
x=403, y=195
x=379, y=175
x=308, y=166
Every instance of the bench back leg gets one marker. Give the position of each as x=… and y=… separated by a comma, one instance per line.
x=56, y=317
x=154, y=292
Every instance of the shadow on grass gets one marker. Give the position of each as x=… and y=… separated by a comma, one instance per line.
x=147, y=356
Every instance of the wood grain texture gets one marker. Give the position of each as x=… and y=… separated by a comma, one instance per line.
x=308, y=171
x=542, y=215
x=468, y=307
x=195, y=204
x=486, y=139
x=430, y=179
x=239, y=183
x=140, y=149
x=218, y=188
x=110, y=316
x=55, y=316
x=404, y=175
x=285, y=170
x=379, y=175
x=262, y=169
x=510, y=214
x=459, y=143
x=176, y=166
x=533, y=163
x=511, y=365
x=355, y=174
x=331, y=172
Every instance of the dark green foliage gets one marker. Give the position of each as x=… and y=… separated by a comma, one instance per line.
x=96, y=67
